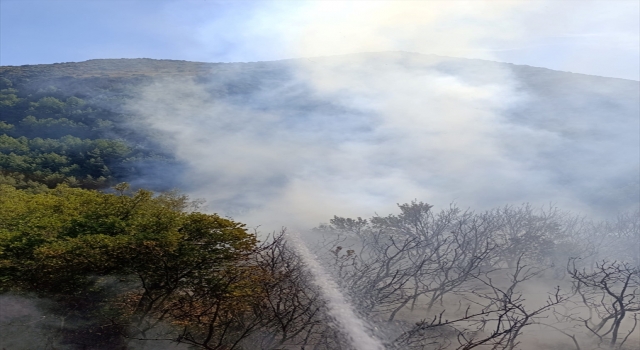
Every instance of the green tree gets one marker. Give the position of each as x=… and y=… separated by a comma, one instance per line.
x=65, y=243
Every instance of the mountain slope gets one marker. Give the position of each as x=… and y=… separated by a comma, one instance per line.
x=406, y=125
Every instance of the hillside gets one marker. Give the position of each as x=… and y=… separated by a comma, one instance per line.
x=89, y=262
x=580, y=131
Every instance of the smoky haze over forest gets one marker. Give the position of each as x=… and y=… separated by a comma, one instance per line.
x=310, y=144
x=348, y=175
x=295, y=142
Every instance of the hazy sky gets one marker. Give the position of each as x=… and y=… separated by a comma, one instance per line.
x=592, y=37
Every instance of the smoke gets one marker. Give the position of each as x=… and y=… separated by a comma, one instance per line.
x=28, y=322
x=24, y=325
x=294, y=142
x=331, y=140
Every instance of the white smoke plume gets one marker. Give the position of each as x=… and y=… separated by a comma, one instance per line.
x=351, y=135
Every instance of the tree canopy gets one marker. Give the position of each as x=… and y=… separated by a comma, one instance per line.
x=67, y=243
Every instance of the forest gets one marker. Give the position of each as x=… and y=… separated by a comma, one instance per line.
x=91, y=257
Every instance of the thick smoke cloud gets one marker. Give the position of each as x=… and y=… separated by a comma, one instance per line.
x=295, y=142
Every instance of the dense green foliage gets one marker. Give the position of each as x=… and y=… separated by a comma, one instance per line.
x=31, y=163
x=55, y=242
x=70, y=244
x=50, y=113
x=48, y=138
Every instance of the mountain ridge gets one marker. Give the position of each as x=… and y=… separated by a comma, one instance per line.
x=185, y=66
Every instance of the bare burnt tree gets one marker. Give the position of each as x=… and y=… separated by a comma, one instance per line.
x=378, y=274
x=577, y=237
x=526, y=233
x=509, y=302
x=623, y=234
x=416, y=254
x=594, y=241
x=610, y=293
x=457, y=246
x=494, y=318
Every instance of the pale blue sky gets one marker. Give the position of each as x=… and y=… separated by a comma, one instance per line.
x=592, y=37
